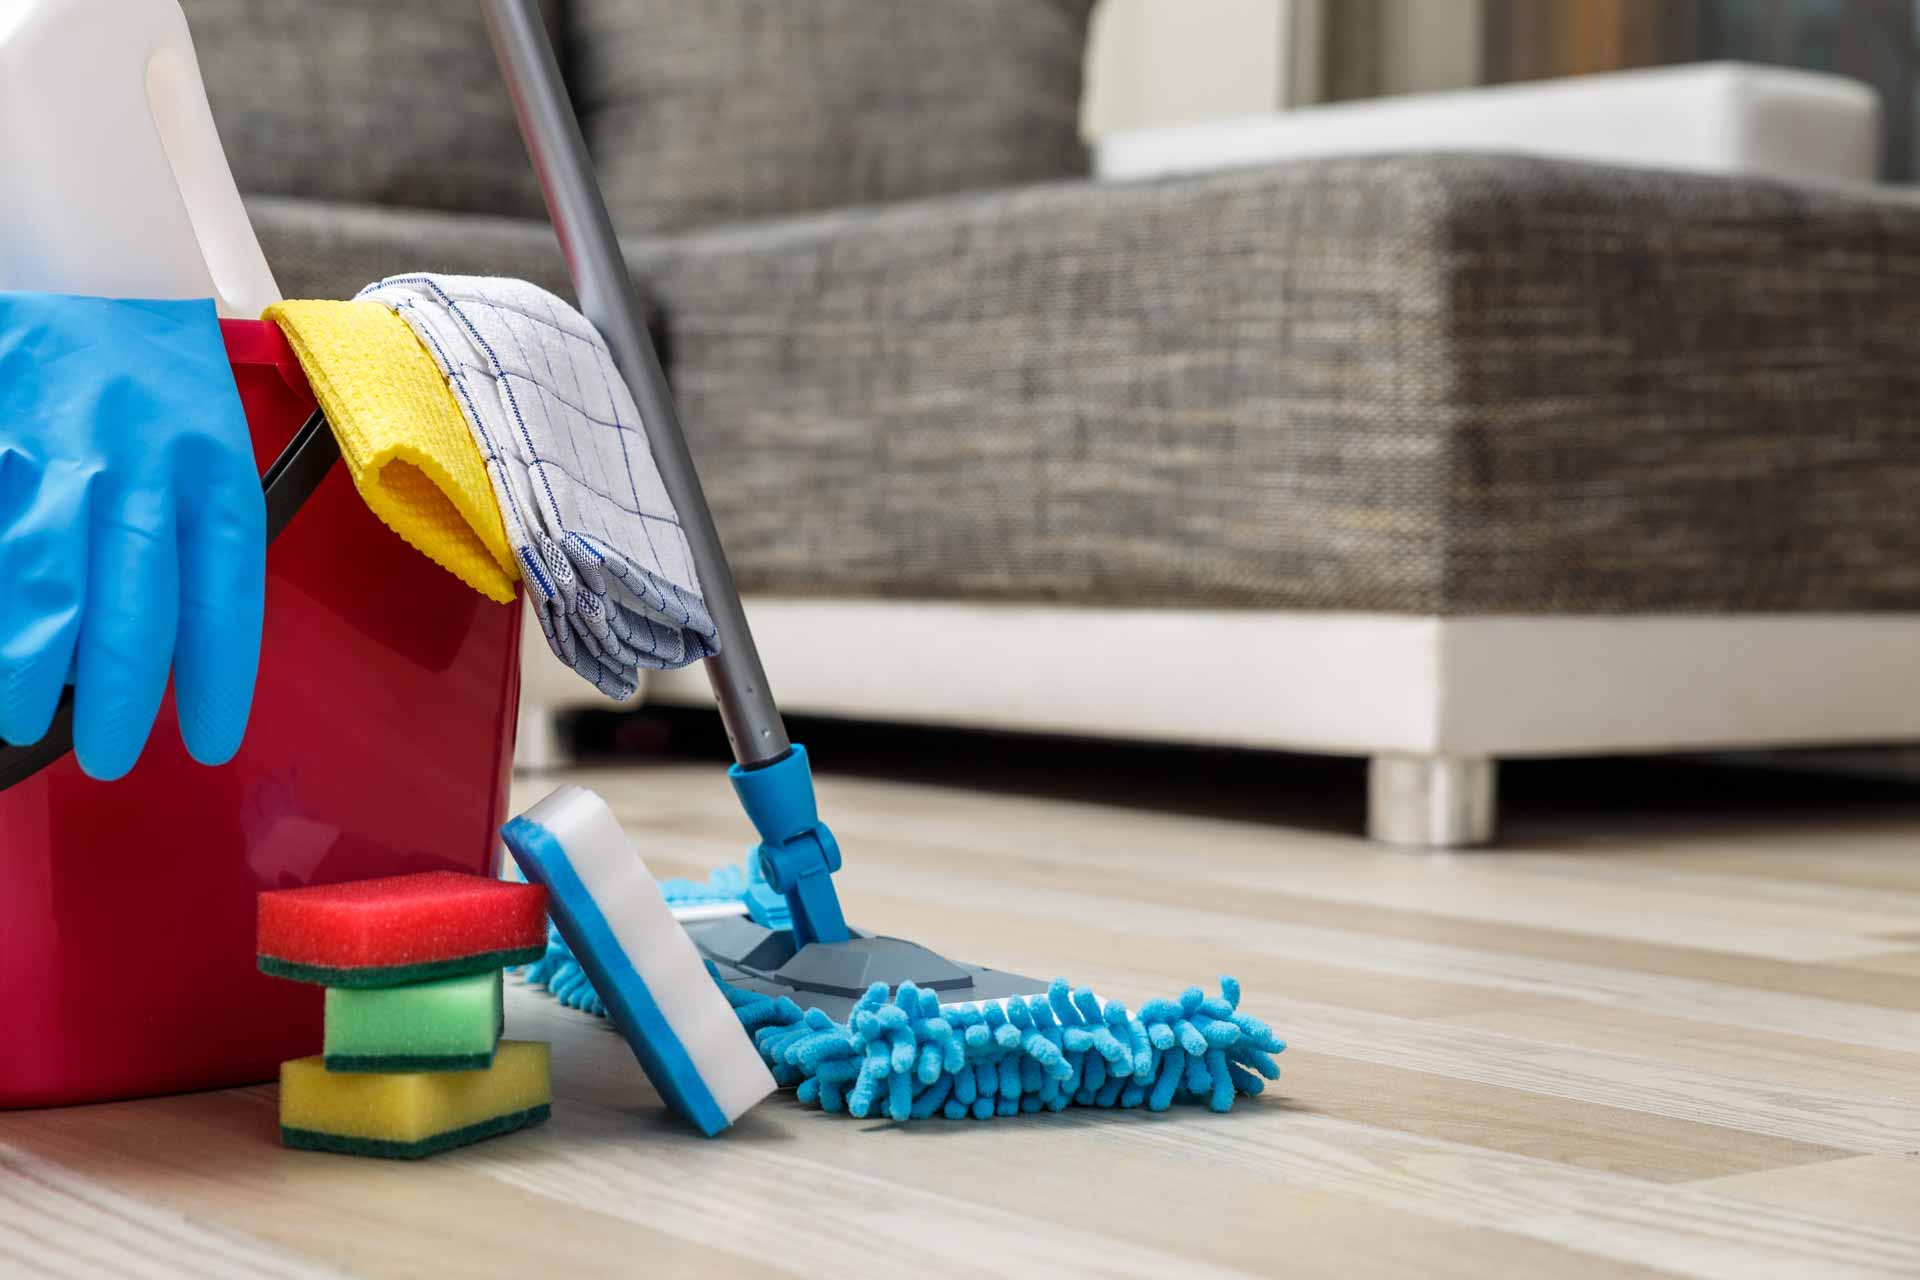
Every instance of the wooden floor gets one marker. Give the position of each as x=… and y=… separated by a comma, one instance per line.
x=1649, y=1036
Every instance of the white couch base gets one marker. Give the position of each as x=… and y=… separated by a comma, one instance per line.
x=1343, y=684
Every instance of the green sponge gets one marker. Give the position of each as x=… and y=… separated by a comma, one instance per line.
x=452, y=1024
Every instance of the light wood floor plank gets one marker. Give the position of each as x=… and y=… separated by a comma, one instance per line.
x=1685, y=1229
x=1569, y=1131
x=1869, y=854
x=816, y=1208
x=1905, y=964
x=1870, y=909
x=1238, y=1223
x=1508, y=887
x=1860, y=1122
x=1878, y=1191
x=1461, y=890
x=1780, y=1057
x=216, y=1158
x=1455, y=950
x=56, y=1222
x=1244, y=929
x=693, y=829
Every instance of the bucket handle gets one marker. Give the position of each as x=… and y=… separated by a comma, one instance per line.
x=287, y=484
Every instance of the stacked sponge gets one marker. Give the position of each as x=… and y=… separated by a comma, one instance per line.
x=413, y=1061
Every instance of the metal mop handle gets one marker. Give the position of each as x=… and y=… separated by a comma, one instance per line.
x=600, y=278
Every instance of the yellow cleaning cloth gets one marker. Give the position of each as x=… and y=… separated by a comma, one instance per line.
x=405, y=443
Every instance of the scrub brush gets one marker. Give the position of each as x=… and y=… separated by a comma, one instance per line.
x=642, y=963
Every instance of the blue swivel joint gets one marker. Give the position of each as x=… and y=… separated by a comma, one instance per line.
x=798, y=855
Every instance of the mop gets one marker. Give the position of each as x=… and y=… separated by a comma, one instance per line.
x=908, y=1057
x=917, y=1034
x=900, y=1053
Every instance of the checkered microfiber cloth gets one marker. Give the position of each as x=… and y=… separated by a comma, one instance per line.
x=598, y=541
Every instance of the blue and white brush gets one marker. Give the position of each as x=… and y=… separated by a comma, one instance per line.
x=610, y=913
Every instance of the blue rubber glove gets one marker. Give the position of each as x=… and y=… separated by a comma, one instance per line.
x=132, y=528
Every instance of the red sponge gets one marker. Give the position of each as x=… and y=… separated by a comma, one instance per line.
x=381, y=933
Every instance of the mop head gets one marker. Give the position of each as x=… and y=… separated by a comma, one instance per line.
x=907, y=1058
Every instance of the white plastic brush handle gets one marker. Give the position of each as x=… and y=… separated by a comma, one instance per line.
x=112, y=179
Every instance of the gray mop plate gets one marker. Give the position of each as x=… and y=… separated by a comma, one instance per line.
x=831, y=976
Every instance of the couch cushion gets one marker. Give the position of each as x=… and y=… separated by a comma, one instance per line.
x=1417, y=384
x=363, y=100
x=729, y=109
x=325, y=249
x=1421, y=384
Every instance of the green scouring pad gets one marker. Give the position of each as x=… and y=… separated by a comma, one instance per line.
x=452, y=1024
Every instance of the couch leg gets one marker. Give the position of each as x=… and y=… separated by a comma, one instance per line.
x=540, y=746
x=1438, y=802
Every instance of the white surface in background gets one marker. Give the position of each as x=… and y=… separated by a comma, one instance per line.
x=1339, y=683
x=1151, y=62
x=1719, y=117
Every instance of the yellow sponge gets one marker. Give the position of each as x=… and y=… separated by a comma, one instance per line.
x=402, y=436
x=406, y=1115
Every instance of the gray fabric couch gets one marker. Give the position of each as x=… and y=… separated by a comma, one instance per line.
x=1421, y=385
x=1427, y=384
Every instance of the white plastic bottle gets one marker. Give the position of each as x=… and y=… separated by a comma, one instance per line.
x=112, y=179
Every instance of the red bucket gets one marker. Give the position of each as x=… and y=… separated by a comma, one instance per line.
x=381, y=742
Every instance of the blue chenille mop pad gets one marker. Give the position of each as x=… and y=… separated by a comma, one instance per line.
x=617, y=926
x=910, y=1057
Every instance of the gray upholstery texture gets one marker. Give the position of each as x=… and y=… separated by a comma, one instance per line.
x=320, y=249
x=381, y=101
x=723, y=110
x=1423, y=384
